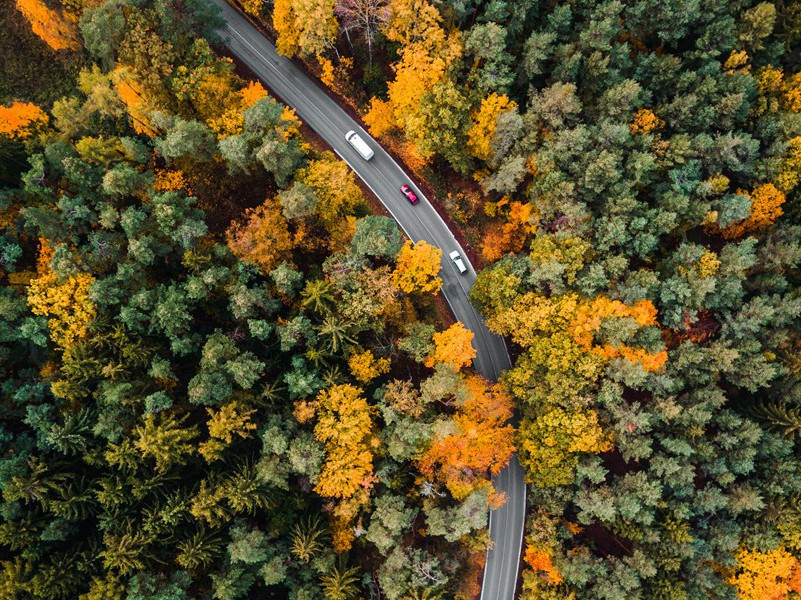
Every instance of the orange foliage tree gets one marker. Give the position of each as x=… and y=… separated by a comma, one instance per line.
x=766, y=575
x=645, y=121
x=766, y=207
x=20, y=119
x=540, y=559
x=132, y=96
x=587, y=322
x=264, y=238
x=417, y=268
x=50, y=25
x=480, y=443
x=453, y=347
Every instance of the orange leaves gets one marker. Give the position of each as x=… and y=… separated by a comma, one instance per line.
x=766, y=575
x=541, y=560
x=484, y=121
x=131, y=95
x=20, y=119
x=533, y=316
x=417, y=268
x=588, y=321
x=50, y=25
x=645, y=121
x=264, y=239
x=453, y=346
x=66, y=303
x=766, y=207
x=481, y=443
x=171, y=181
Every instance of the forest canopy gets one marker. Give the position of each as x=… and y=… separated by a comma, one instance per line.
x=223, y=376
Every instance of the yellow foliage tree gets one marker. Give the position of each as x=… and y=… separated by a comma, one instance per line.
x=766, y=575
x=345, y=427
x=365, y=366
x=334, y=185
x=50, y=25
x=304, y=26
x=20, y=119
x=67, y=304
x=380, y=119
x=223, y=424
x=790, y=170
x=484, y=122
x=551, y=443
x=417, y=268
x=766, y=207
x=231, y=121
x=453, y=347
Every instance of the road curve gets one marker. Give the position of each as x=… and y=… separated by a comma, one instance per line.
x=421, y=222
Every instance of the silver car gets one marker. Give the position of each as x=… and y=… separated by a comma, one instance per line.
x=457, y=260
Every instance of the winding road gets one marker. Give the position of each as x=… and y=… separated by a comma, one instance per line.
x=420, y=222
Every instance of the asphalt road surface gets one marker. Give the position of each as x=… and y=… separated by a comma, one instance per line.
x=420, y=222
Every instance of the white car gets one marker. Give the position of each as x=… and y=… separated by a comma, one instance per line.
x=457, y=260
x=360, y=145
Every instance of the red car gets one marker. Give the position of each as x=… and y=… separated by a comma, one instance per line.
x=410, y=195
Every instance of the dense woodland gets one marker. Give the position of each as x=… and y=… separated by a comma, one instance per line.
x=630, y=171
x=221, y=376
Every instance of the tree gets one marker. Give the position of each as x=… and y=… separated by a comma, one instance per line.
x=187, y=140
x=453, y=347
x=480, y=441
x=305, y=27
x=166, y=440
x=344, y=425
x=307, y=539
x=766, y=207
x=339, y=583
x=334, y=184
x=766, y=574
x=50, y=25
x=376, y=236
x=417, y=268
x=366, y=16
x=484, y=123
x=550, y=444
x=263, y=239
x=229, y=420
x=365, y=367
x=67, y=304
x=21, y=119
